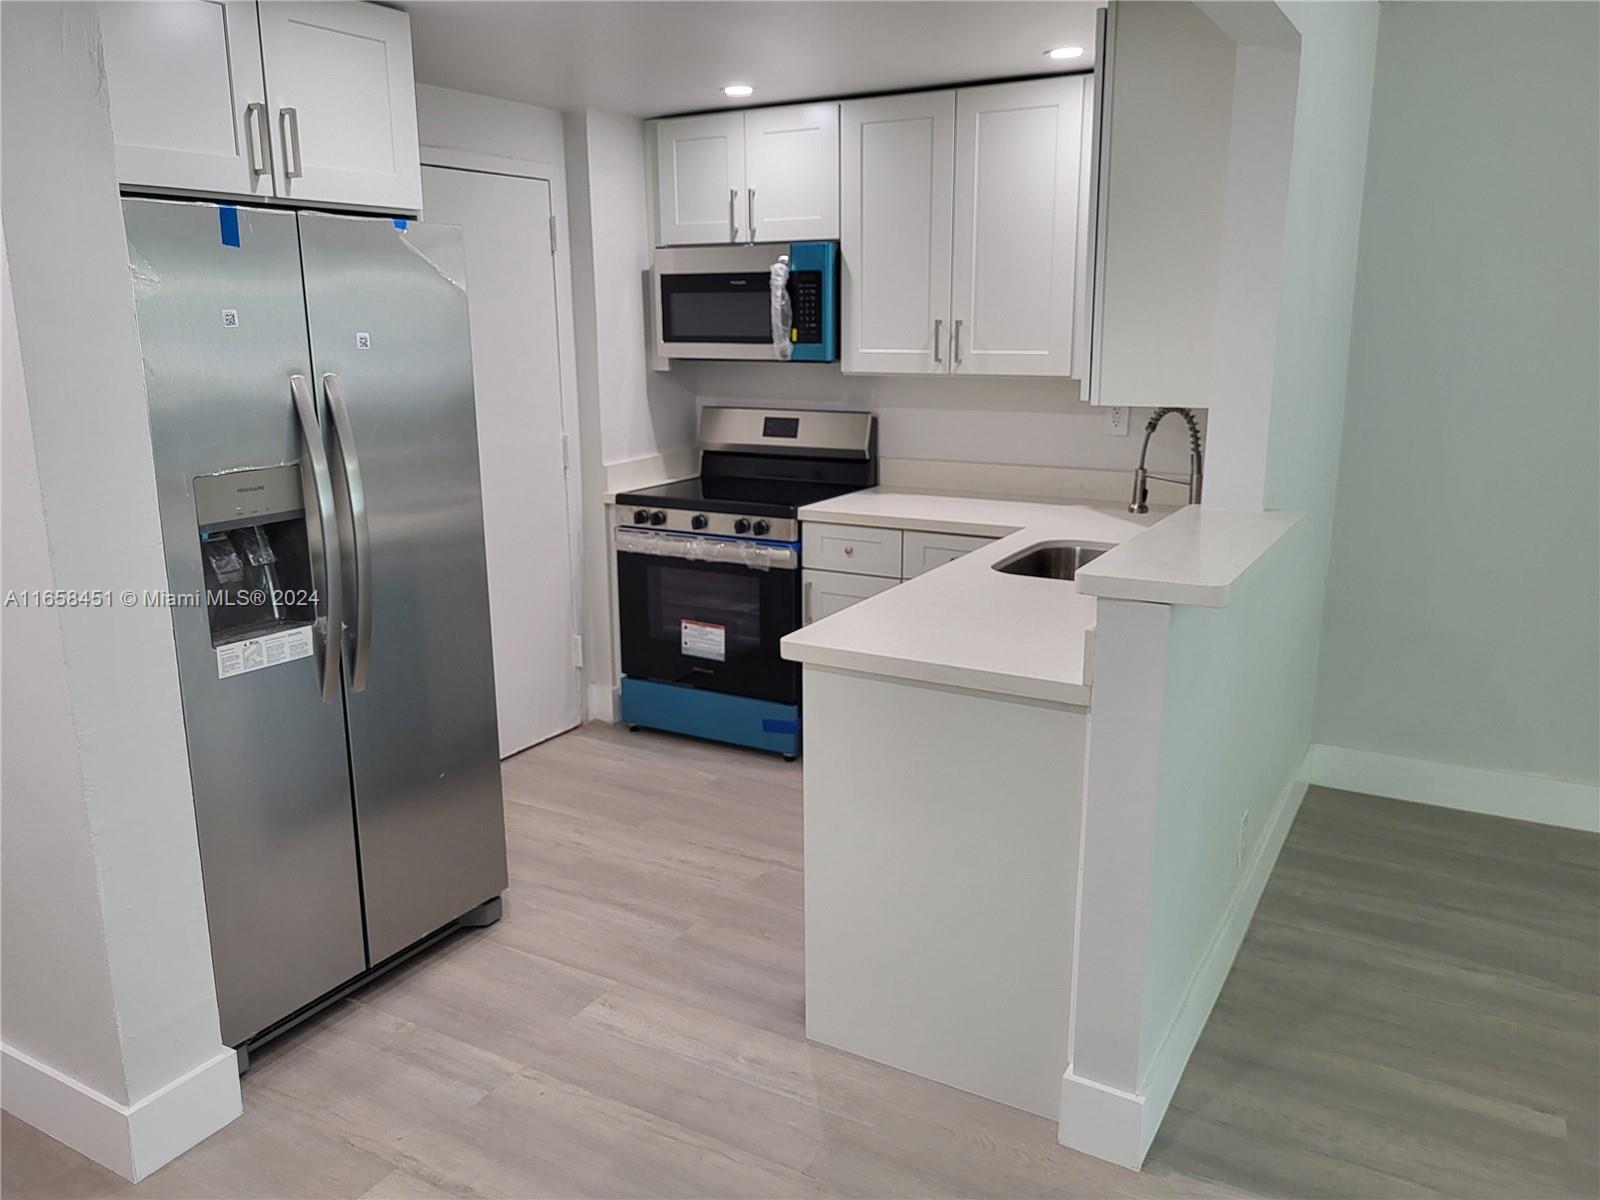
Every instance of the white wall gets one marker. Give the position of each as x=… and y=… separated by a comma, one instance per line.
x=117, y=986
x=452, y=120
x=1463, y=618
x=1223, y=727
x=1032, y=422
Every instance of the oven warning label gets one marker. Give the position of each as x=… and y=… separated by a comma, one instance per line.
x=253, y=654
x=701, y=639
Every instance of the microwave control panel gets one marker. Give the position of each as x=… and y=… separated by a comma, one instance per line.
x=805, y=299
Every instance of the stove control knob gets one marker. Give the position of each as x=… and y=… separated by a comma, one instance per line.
x=698, y=521
x=762, y=528
x=742, y=525
x=641, y=516
x=658, y=517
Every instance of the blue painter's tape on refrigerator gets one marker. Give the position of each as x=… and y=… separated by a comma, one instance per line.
x=228, y=224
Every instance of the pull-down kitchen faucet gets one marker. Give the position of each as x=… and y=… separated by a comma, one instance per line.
x=1141, y=477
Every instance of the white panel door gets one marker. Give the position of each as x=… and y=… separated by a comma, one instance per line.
x=1016, y=226
x=792, y=173
x=516, y=368
x=896, y=183
x=700, y=179
x=187, y=98
x=343, y=102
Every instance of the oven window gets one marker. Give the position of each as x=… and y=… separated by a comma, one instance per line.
x=679, y=594
x=716, y=308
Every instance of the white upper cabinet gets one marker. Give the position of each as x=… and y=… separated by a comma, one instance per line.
x=188, y=104
x=344, y=103
x=770, y=175
x=963, y=223
x=896, y=183
x=309, y=102
x=700, y=179
x=792, y=173
x=1018, y=164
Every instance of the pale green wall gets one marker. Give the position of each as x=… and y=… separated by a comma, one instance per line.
x=1463, y=600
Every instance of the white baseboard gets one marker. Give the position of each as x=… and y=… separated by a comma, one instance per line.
x=1119, y=1126
x=604, y=704
x=1536, y=798
x=131, y=1139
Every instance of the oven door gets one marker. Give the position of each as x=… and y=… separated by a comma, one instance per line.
x=708, y=613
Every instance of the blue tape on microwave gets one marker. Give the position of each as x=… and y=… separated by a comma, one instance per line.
x=400, y=223
x=228, y=224
x=822, y=257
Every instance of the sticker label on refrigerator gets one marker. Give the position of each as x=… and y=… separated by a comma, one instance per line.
x=230, y=318
x=269, y=650
x=701, y=639
x=363, y=341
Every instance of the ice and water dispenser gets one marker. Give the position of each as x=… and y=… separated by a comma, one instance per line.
x=257, y=565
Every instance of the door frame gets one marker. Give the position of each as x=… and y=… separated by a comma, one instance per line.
x=553, y=175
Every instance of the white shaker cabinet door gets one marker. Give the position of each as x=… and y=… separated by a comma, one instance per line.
x=343, y=104
x=824, y=593
x=1016, y=227
x=187, y=97
x=792, y=173
x=700, y=177
x=896, y=178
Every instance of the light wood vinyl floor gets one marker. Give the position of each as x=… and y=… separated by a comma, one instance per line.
x=1414, y=1013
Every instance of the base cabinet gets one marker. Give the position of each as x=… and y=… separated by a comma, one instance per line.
x=824, y=593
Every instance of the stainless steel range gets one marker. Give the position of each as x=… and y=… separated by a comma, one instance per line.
x=708, y=573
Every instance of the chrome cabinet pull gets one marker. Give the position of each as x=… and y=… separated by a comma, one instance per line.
x=317, y=485
x=358, y=572
x=255, y=137
x=733, y=220
x=938, y=328
x=750, y=214
x=805, y=603
x=289, y=127
x=955, y=342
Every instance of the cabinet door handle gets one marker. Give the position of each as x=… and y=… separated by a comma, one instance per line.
x=289, y=127
x=733, y=220
x=938, y=328
x=805, y=602
x=955, y=342
x=750, y=215
x=255, y=137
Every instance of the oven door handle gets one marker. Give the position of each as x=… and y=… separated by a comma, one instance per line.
x=759, y=556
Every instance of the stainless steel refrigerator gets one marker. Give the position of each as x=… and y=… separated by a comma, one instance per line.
x=316, y=456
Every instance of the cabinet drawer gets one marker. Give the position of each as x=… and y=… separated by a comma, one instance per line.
x=856, y=549
x=827, y=592
x=925, y=551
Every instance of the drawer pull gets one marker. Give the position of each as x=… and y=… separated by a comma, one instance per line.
x=849, y=551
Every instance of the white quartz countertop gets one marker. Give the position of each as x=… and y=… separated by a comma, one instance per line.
x=1194, y=557
x=964, y=624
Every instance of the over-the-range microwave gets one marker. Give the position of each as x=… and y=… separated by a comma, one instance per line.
x=716, y=302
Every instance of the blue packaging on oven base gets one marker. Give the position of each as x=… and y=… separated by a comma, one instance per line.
x=716, y=716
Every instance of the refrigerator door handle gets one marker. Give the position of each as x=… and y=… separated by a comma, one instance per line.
x=358, y=579
x=317, y=484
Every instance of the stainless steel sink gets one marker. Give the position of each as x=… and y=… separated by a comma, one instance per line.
x=1052, y=560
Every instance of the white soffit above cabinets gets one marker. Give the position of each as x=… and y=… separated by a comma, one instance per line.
x=661, y=56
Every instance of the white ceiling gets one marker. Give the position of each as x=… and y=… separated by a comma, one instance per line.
x=663, y=56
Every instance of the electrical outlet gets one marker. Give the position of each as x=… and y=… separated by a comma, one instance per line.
x=1244, y=841
x=1116, y=421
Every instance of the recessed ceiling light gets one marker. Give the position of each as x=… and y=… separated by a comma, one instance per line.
x=1065, y=52
x=739, y=90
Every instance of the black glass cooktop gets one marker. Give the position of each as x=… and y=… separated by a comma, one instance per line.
x=757, y=497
